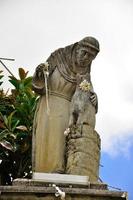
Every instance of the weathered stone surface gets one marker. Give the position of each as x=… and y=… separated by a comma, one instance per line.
x=29, y=189
x=48, y=193
x=82, y=111
x=83, y=154
x=61, y=179
x=56, y=87
x=43, y=183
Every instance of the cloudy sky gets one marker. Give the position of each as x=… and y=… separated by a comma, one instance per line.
x=31, y=29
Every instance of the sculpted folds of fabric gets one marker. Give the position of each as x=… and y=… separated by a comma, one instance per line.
x=53, y=152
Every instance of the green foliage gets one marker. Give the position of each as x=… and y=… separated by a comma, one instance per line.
x=16, y=119
x=1, y=76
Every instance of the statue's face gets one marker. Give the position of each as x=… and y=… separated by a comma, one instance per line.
x=85, y=55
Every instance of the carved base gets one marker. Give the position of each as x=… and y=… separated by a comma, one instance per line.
x=35, y=190
x=83, y=154
x=60, y=179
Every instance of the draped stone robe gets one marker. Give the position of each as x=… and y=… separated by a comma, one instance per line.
x=48, y=130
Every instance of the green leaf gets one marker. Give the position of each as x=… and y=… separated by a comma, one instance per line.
x=15, y=83
x=15, y=125
x=3, y=134
x=1, y=76
x=13, y=78
x=9, y=120
x=21, y=86
x=28, y=81
x=5, y=121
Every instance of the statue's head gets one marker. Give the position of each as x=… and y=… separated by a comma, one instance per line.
x=87, y=49
x=90, y=42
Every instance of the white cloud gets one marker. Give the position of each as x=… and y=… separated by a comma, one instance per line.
x=31, y=30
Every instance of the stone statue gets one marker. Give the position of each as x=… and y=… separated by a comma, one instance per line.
x=82, y=110
x=56, y=83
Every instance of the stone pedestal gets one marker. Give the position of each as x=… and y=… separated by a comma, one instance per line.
x=26, y=189
x=83, y=154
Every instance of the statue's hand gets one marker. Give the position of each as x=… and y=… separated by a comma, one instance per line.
x=94, y=99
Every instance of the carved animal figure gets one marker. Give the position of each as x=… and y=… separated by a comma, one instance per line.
x=81, y=109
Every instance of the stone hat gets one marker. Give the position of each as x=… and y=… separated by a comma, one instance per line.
x=91, y=42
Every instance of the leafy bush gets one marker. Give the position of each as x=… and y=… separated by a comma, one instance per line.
x=16, y=118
